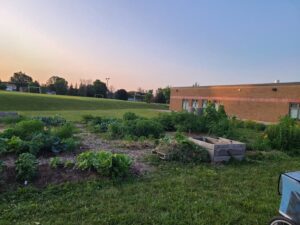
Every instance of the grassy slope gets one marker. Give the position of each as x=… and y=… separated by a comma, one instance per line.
x=71, y=107
x=176, y=194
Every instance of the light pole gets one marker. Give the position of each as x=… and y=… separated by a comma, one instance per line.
x=107, y=79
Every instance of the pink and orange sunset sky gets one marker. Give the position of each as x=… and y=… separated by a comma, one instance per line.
x=151, y=44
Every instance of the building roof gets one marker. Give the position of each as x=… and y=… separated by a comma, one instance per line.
x=243, y=85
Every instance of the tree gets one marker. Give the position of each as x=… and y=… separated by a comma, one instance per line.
x=73, y=91
x=149, y=96
x=2, y=86
x=58, y=84
x=20, y=79
x=160, y=97
x=121, y=94
x=34, y=87
x=100, y=88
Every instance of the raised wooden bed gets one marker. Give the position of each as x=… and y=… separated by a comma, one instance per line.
x=221, y=149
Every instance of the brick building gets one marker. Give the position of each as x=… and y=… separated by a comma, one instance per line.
x=259, y=102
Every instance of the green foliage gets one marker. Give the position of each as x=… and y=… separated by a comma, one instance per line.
x=70, y=144
x=16, y=144
x=26, y=167
x=68, y=163
x=51, y=121
x=130, y=116
x=269, y=155
x=11, y=119
x=285, y=135
x=55, y=162
x=26, y=128
x=121, y=94
x=182, y=150
x=105, y=163
x=65, y=131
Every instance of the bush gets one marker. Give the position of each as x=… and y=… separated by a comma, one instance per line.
x=105, y=163
x=130, y=116
x=285, y=135
x=26, y=167
x=26, y=128
x=51, y=121
x=70, y=144
x=65, y=131
x=147, y=128
x=182, y=150
x=15, y=144
x=3, y=146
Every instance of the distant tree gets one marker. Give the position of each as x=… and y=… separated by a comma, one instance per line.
x=20, y=79
x=100, y=88
x=160, y=97
x=121, y=94
x=149, y=96
x=72, y=91
x=2, y=86
x=58, y=84
x=90, y=90
x=82, y=89
x=34, y=87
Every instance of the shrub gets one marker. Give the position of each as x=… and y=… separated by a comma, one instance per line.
x=65, y=131
x=130, y=116
x=27, y=128
x=51, y=121
x=3, y=146
x=285, y=135
x=55, y=162
x=15, y=144
x=120, y=165
x=26, y=167
x=167, y=121
x=102, y=126
x=105, y=163
x=11, y=119
x=147, y=128
x=70, y=144
x=182, y=150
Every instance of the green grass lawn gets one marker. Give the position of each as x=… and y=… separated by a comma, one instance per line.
x=72, y=108
x=234, y=194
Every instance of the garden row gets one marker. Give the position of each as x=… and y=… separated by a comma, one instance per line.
x=283, y=136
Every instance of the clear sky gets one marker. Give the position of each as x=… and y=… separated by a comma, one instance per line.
x=152, y=43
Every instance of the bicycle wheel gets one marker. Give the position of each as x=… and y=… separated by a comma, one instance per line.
x=280, y=220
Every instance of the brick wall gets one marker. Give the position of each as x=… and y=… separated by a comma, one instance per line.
x=263, y=102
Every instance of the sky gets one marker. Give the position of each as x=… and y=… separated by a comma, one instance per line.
x=151, y=43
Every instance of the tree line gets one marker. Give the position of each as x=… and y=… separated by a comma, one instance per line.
x=59, y=85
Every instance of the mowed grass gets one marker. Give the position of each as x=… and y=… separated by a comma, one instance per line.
x=72, y=108
x=244, y=194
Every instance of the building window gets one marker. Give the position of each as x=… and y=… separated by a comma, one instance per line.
x=295, y=111
x=195, y=104
x=204, y=103
x=185, y=104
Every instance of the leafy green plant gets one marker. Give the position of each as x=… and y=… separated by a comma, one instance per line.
x=16, y=144
x=68, y=163
x=105, y=163
x=26, y=128
x=182, y=150
x=51, y=121
x=285, y=135
x=70, y=144
x=65, y=131
x=130, y=116
x=26, y=167
x=55, y=162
